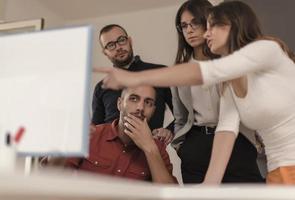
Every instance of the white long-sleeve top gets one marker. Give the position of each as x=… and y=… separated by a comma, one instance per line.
x=269, y=106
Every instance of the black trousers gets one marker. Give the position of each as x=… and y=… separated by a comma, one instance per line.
x=195, y=155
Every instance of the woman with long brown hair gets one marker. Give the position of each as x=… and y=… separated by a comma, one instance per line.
x=258, y=74
x=196, y=109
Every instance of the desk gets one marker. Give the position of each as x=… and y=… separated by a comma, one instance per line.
x=63, y=186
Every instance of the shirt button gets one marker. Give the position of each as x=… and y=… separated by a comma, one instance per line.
x=124, y=151
x=96, y=163
x=142, y=173
x=118, y=170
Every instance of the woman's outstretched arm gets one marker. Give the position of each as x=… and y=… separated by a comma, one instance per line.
x=179, y=75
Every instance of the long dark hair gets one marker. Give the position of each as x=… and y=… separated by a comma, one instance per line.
x=245, y=27
x=199, y=9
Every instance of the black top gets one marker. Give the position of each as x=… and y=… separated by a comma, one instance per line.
x=104, y=103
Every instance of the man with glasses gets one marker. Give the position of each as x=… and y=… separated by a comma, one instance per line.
x=117, y=46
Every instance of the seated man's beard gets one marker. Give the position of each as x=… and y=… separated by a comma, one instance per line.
x=137, y=115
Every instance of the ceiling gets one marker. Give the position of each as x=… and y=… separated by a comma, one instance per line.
x=70, y=10
x=79, y=9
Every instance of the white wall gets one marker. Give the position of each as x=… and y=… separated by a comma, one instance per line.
x=276, y=18
x=2, y=10
x=15, y=10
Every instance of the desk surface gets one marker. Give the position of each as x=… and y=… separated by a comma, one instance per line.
x=63, y=186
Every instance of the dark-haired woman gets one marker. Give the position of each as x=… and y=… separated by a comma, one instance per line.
x=196, y=108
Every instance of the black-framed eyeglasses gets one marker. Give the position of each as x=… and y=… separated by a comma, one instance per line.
x=122, y=40
x=194, y=24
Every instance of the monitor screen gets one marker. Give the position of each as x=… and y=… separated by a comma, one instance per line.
x=45, y=88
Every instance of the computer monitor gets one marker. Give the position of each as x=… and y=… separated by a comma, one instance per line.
x=45, y=88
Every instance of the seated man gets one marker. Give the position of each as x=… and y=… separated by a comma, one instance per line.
x=126, y=147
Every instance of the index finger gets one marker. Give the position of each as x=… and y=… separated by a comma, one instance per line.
x=102, y=69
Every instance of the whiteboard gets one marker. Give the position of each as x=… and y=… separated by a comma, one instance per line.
x=45, y=87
